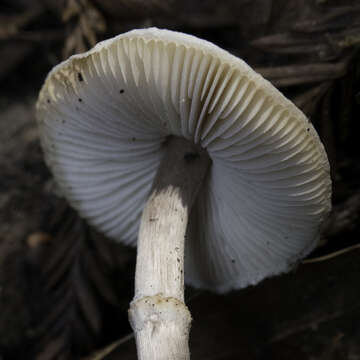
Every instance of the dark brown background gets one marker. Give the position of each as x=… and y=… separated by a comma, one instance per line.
x=64, y=290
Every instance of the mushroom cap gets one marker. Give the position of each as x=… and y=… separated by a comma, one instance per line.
x=103, y=116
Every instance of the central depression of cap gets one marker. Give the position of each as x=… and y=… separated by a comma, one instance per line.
x=103, y=116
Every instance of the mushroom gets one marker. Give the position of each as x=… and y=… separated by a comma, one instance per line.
x=157, y=137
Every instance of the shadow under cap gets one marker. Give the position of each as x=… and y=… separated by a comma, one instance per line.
x=184, y=166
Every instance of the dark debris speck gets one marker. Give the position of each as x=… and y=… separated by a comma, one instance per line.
x=188, y=157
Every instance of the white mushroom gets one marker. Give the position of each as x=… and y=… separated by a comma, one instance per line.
x=156, y=134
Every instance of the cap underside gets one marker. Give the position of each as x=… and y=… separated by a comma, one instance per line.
x=103, y=116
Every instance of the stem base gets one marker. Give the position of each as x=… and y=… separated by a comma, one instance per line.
x=161, y=326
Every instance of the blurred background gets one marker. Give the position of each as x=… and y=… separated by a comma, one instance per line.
x=64, y=289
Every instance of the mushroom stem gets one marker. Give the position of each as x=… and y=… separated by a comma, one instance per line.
x=158, y=315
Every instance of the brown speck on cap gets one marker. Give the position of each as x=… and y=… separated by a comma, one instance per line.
x=80, y=77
